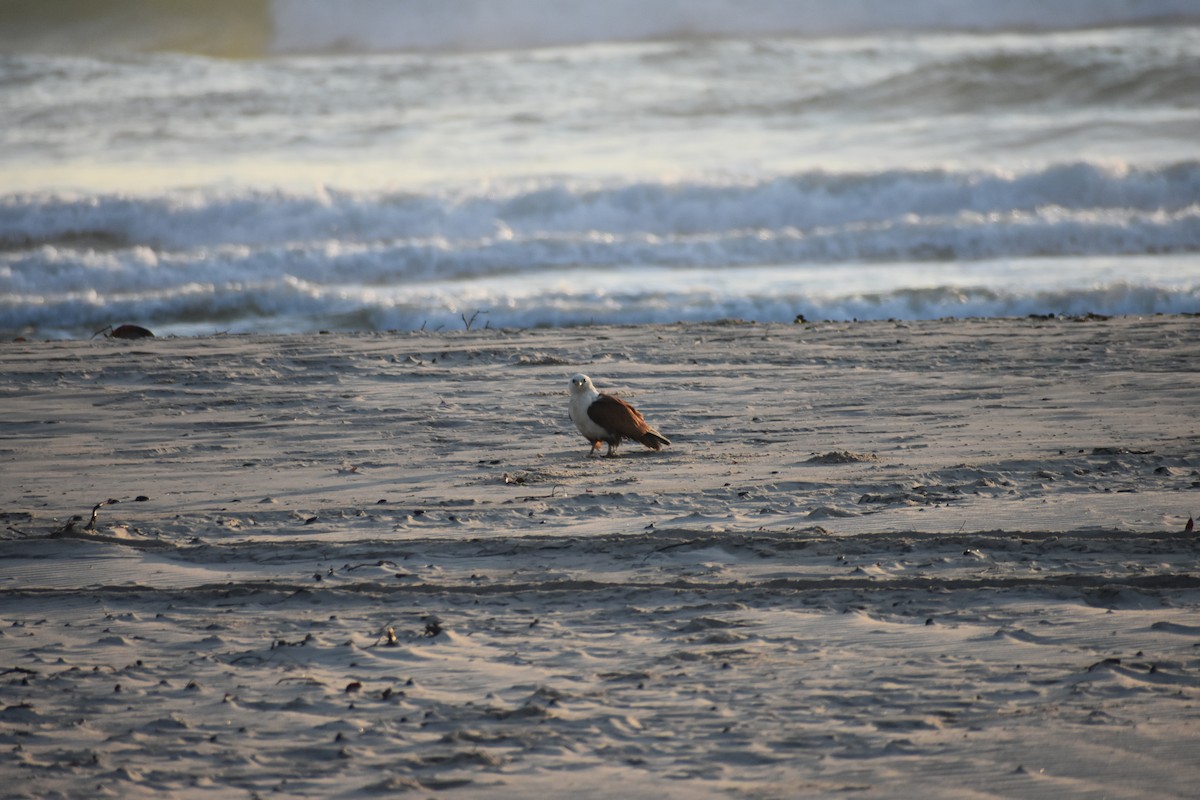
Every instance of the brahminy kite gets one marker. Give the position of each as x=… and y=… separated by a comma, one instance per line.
x=604, y=418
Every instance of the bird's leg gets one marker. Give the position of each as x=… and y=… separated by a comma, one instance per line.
x=612, y=449
x=595, y=447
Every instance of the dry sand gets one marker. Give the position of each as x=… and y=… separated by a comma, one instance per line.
x=935, y=559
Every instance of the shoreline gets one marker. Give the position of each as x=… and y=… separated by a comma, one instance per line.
x=141, y=332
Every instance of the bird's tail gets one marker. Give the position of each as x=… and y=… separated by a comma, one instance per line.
x=653, y=439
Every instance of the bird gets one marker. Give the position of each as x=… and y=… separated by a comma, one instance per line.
x=604, y=418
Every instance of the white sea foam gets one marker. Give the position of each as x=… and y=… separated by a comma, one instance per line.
x=908, y=245
x=1114, y=196
x=942, y=243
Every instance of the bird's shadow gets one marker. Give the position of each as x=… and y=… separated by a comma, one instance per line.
x=643, y=453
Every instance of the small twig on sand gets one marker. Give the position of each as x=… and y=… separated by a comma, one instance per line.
x=91, y=526
x=664, y=549
x=527, y=498
x=471, y=321
x=66, y=529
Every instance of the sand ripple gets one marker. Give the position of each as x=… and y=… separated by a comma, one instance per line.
x=358, y=572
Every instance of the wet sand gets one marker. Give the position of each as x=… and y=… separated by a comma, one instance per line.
x=942, y=558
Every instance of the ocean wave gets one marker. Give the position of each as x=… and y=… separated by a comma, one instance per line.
x=247, y=28
x=827, y=245
x=1015, y=78
x=967, y=236
x=1008, y=92
x=804, y=205
x=292, y=305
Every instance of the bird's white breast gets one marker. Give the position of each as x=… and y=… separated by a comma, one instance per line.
x=578, y=409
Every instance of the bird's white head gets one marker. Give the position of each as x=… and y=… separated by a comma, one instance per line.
x=581, y=383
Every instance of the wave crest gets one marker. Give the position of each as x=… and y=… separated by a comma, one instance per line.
x=891, y=244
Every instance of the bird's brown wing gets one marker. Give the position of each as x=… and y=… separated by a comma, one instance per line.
x=619, y=418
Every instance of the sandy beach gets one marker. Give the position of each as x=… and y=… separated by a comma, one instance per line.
x=942, y=559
